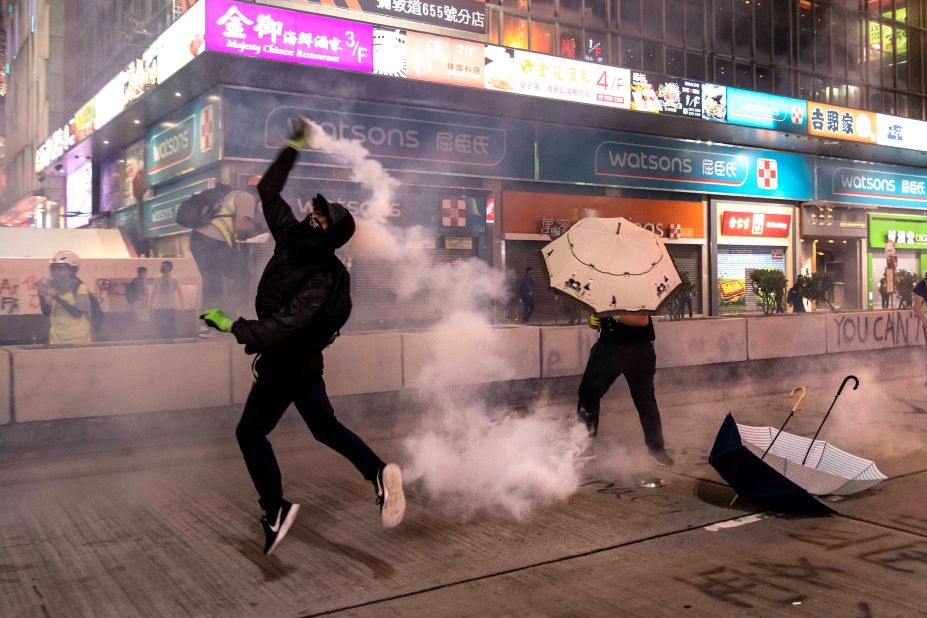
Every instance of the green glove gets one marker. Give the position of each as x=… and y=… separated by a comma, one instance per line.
x=301, y=136
x=217, y=319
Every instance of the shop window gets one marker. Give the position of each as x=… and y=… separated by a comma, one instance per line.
x=542, y=37
x=724, y=72
x=854, y=96
x=675, y=24
x=763, y=38
x=888, y=102
x=875, y=100
x=675, y=62
x=542, y=8
x=782, y=46
x=571, y=11
x=570, y=43
x=805, y=40
x=653, y=19
x=764, y=79
x=901, y=105
x=743, y=75
x=854, y=62
x=630, y=53
x=822, y=54
x=724, y=33
x=515, y=32
x=596, y=13
x=695, y=24
x=629, y=16
x=652, y=56
x=912, y=39
x=839, y=59
x=695, y=66
x=743, y=36
x=596, y=46
x=495, y=25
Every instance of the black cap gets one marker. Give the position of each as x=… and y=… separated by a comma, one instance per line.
x=340, y=222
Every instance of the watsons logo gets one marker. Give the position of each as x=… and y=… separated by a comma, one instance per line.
x=653, y=162
x=670, y=164
x=172, y=146
x=901, y=187
x=859, y=182
x=166, y=215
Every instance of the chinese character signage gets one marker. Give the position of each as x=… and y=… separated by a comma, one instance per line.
x=861, y=183
x=445, y=61
x=468, y=15
x=900, y=132
x=632, y=160
x=755, y=224
x=400, y=137
x=766, y=111
x=651, y=92
x=841, y=123
x=897, y=232
x=259, y=31
x=714, y=102
x=522, y=72
x=185, y=141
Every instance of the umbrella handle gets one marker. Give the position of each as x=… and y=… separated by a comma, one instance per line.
x=840, y=390
x=800, y=398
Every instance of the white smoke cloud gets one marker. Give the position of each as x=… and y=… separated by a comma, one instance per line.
x=466, y=456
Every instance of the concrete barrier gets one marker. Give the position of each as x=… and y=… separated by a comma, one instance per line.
x=785, y=336
x=6, y=395
x=565, y=350
x=849, y=332
x=700, y=342
x=354, y=365
x=452, y=355
x=58, y=383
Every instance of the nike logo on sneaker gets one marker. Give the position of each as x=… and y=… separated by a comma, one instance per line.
x=276, y=526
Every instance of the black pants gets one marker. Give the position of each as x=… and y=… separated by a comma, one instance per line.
x=215, y=261
x=527, y=308
x=638, y=363
x=266, y=404
x=885, y=301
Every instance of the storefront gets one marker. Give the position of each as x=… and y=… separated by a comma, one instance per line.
x=750, y=236
x=833, y=240
x=531, y=220
x=894, y=198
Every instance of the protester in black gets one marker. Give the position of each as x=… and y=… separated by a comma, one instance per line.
x=794, y=298
x=526, y=294
x=290, y=297
x=883, y=292
x=625, y=346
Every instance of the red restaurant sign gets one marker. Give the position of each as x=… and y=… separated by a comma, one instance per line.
x=755, y=224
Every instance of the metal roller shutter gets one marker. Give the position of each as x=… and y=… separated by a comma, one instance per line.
x=687, y=258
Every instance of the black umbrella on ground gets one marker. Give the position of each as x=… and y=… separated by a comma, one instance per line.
x=752, y=478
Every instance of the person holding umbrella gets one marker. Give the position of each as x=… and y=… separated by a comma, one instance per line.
x=625, y=346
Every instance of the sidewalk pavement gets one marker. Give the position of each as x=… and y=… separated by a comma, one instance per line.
x=171, y=529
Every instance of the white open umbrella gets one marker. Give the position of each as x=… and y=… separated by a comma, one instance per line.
x=611, y=265
x=828, y=470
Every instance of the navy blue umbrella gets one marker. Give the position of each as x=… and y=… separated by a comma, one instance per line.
x=753, y=478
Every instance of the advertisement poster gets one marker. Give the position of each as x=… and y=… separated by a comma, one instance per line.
x=735, y=265
x=466, y=15
x=184, y=141
x=527, y=73
x=390, y=55
x=259, y=31
x=443, y=60
x=714, y=102
x=900, y=132
x=841, y=123
x=651, y=92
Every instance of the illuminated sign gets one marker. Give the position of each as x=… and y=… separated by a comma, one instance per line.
x=755, y=224
x=390, y=57
x=767, y=111
x=900, y=132
x=442, y=60
x=841, y=123
x=897, y=232
x=258, y=31
x=521, y=72
x=714, y=102
x=651, y=92
x=859, y=183
x=82, y=123
x=183, y=142
x=468, y=15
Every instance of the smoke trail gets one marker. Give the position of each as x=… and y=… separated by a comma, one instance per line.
x=467, y=455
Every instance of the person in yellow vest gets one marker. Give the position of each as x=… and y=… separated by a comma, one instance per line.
x=66, y=301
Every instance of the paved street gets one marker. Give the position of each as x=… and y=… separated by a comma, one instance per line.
x=170, y=529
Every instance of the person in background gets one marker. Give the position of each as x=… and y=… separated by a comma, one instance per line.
x=625, y=346
x=920, y=296
x=794, y=298
x=138, y=295
x=883, y=292
x=166, y=300
x=526, y=294
x=66, y=301
x=213, y=245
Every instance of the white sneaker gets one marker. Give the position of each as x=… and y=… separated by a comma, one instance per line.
x=390, y=496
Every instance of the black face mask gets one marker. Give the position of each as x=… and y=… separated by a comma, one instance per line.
x=308, y=242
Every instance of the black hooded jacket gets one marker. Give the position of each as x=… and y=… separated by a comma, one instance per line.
x=298, y=277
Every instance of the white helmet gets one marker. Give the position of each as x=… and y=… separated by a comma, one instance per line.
x=66, y=257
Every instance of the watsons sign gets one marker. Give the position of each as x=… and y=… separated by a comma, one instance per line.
x=183, y=142
x=621, y=159
x=876, y=184
x=400, y=137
